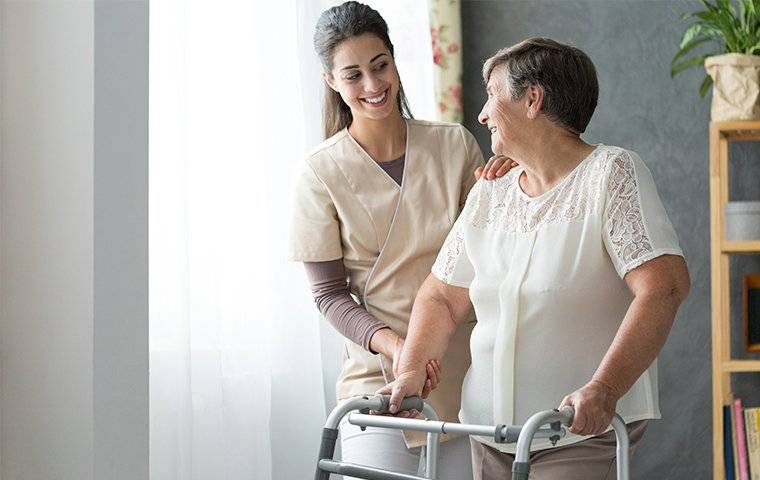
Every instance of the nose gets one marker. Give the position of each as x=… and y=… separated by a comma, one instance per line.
x=373, y=84
x=483, y=116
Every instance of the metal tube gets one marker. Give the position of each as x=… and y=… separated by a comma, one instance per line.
x=521, y=465
x=623, y=447
x=360, y=471
x=431, y=458
x=436, y=426
x=356, y=403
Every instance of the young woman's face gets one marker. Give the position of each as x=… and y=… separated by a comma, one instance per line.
x=365, y=75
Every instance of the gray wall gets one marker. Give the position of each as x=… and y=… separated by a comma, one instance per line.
x=665, y=121
x=73, y=240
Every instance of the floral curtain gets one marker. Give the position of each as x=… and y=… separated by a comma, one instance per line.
x=446, y=36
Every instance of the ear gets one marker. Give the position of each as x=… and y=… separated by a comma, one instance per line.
x=329, y=80
x=534, y=99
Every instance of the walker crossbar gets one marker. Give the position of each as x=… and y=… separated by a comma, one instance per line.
x=523, y=435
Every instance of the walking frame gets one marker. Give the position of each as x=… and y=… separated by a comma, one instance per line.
x=547, y=424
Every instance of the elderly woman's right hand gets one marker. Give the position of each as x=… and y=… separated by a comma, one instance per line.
x=496, y=167
x=432, y=369
x=408, y=383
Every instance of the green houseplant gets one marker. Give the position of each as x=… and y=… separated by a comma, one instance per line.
x=733, y=30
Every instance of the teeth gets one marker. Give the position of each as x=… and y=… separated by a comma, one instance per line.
x=377, y=99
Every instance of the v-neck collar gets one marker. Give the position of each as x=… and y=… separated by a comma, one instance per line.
x=368, y=158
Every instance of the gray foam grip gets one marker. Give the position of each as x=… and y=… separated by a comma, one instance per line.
x=409, y=403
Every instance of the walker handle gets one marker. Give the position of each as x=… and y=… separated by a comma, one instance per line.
x=409, y=403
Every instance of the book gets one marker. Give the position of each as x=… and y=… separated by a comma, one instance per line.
x=753, y=441
x=741, y=439
x=728, y=455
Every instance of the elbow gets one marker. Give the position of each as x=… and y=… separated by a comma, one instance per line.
x=681, y=285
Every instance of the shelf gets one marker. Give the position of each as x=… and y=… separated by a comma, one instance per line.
x=741, y=366
x=749, y=246
x=739, y=130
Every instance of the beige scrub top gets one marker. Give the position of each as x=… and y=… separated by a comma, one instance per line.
x=346, y=206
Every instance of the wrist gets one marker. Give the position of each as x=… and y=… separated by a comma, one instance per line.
x=384, y=341
x=607, y=387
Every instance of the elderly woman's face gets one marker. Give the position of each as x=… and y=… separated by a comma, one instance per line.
x=501, y=114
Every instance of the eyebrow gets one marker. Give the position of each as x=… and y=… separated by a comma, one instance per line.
x=372, y=60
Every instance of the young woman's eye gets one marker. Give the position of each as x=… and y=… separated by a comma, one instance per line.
x=381, y=66
x=351, y=76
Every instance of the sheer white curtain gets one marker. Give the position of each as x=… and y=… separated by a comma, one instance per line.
x=242, y=371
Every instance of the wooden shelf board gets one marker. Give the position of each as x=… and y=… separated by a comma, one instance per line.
x=739, y=129
x=741, y=366
x=750, y=246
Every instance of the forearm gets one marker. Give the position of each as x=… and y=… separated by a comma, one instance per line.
x=385, y=341
x=434, y=319
x=334, y=301
x=638, y=341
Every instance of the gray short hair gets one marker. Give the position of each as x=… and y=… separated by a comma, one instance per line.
x=566, y=74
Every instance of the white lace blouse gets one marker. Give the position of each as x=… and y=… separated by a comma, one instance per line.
x=545, y=276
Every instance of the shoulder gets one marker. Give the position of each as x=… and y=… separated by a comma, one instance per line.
x=615, y=158
x=498, y=188
x=323, y=149
x=319, y=158
x=445, y=130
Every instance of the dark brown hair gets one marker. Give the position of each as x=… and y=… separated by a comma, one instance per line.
x=335, y=25
x=566, y=74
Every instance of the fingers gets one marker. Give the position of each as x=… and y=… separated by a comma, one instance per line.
x=426, y=389
x=507, y=166
x=489, y=170
x=397, y=395
x=433, y=373
x=385, y=390
x=496, y=167
x=478, y=173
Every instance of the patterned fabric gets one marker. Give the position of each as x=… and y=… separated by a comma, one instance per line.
x=446, y=36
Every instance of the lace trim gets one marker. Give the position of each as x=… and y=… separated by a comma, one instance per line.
x=453, y=247
x=625, y=225
x=501, y=205
x=505, y=207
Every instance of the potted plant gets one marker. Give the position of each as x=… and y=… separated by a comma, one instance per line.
x=733, y=68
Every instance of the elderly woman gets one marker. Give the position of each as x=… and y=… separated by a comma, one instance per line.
x=571, y=264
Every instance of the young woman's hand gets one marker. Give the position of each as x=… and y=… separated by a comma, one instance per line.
x=497, y=166
x=433, y=368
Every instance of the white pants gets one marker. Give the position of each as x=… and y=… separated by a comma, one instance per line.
x=385, y=448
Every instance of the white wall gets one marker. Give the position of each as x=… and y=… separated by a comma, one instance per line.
x=46, y=240
x=73, y=359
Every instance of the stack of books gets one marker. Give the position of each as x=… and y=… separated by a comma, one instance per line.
x=741, y=441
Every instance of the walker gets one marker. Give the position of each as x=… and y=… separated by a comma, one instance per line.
x=523, y=435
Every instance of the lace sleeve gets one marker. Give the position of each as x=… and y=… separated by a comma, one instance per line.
x=453, y=264
x=637, y=228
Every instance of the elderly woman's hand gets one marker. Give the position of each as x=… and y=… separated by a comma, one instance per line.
x=594, y=405
x=407, y=384
x=496, y=167
x=433, y=369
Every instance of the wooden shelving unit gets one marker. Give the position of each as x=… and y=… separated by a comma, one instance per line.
x=721, y=133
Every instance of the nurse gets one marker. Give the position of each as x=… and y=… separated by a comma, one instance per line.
x=373, y=205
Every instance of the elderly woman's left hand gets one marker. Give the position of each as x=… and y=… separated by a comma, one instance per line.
x=594, y=405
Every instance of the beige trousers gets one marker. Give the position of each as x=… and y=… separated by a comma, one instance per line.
x=592, y=459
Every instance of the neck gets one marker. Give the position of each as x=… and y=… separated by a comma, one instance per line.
x=384, y=140
x=549, y=158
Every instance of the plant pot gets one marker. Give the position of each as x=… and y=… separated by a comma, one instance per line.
x=736, y=86
x=743, y=221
